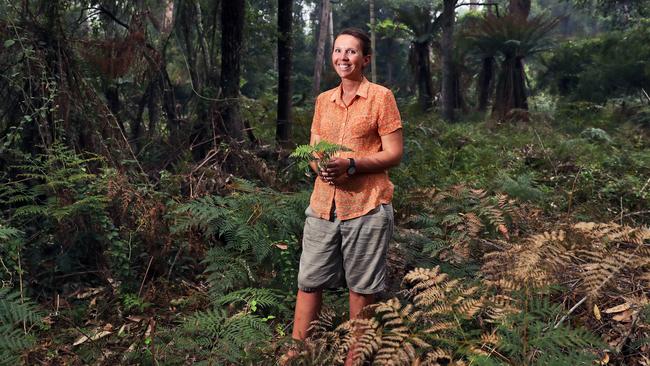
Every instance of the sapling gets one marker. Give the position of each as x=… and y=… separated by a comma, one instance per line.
x=322, y=153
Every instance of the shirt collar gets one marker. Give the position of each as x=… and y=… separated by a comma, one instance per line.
x=362, y=91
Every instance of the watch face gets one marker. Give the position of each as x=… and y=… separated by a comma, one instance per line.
x=351, y=170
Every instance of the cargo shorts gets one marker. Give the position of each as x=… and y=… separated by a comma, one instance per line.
x=352, y=252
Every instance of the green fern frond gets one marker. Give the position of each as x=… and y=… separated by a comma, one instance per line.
x=255, y=297
x=13, y=312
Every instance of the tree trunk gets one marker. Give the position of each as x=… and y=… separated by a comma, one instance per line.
x=485, y=82
x=423, y=74
x=447, y=53
x=459, y=99
x=519, y=8
x=511, y=88
x=232, y=33
x=373, y=60
x=285, y=44
x=326, y=9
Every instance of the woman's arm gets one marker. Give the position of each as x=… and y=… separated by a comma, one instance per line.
x=392, y=148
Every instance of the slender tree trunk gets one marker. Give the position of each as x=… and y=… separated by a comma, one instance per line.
x=202, y=38
x=285, y=45
x=373, y=42
x=320, y=50
x=485, y=82
x=185, y=30
x=423, y=74
x=447, y=51
x=232, y=33
x=153, y=105
x=459, y=99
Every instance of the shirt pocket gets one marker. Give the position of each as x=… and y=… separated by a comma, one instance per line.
x=363, y=126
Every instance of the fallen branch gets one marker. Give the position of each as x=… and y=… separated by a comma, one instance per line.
x=569, y=313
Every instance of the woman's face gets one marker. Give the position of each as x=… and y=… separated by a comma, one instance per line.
x=347, y=57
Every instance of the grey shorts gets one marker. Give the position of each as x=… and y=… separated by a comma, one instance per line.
x=352, y=252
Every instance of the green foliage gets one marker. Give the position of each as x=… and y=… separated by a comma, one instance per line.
x=511, y=37
x=61, y=206
x=134, y=302
x=214, y=337
x=448, y=225
x=14, y=313
x=322, y=152
x=614, y=64
x=530, y=337
x=246, y=222
x=254, y=299
x=522, y=188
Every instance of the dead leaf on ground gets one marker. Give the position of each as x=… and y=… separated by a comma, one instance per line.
x=94, y=337
x=624, y=317
x=618, y=308
x=86, y=293
x=597, y=312
x=605, y=359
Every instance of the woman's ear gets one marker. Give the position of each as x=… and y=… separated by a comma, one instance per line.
x=366, y=60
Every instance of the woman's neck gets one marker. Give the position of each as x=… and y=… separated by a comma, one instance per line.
x=350, y=86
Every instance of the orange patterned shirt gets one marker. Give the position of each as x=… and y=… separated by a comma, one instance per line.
x=373, y=113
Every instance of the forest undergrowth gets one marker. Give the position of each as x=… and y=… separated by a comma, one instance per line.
x=521, y=243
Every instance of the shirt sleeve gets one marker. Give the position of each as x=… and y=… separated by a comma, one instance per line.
x=389, y=118
x=315, y=124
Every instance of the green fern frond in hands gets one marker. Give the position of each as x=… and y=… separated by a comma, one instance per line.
x=322, y=152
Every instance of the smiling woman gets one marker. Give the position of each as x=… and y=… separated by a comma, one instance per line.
x=349, y=219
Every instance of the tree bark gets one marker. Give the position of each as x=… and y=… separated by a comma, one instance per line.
x=373, y=60
x=326, y=9
x=423, y=74
x=511, y=91
x=447, y=53
x=232, y=34
x=485, y=82
x=519, y=8
x=285, y=45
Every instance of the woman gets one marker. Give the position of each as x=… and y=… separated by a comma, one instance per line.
x=349, y=220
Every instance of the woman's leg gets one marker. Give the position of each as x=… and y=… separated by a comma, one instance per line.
x=359, y=301
x=308, y=306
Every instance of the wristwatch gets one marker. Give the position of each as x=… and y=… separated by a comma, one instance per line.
x=352, y=168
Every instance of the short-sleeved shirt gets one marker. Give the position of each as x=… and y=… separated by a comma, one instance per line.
x=372, y=113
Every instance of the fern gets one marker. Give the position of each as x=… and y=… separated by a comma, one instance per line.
x=15, y=312
x=226, y=270
x=61, y=206
x=322, y=152
x=218, y=337
x=248, y=222
x=455, y=220
x=253, y=298
x=529, y=335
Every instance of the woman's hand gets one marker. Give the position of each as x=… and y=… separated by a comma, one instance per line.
x=335, y=172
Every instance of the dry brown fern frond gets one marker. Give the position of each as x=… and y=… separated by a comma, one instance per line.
x=437, y=357
x=612, y=232
x=434, y=296
x=361, y=335
x=596, y=275
x=398, y=344
x=473, y=224
x=323, y=324
x=440, y=326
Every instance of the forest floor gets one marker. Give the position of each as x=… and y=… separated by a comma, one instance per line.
x=462, y=189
